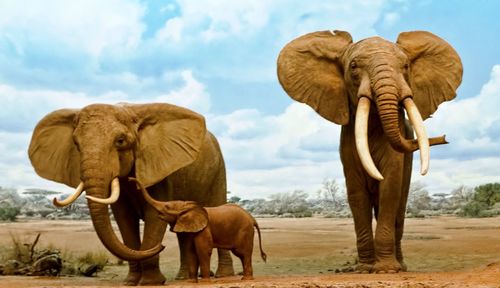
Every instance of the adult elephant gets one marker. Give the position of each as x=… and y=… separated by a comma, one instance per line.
x=167, y=148
x=364, y=87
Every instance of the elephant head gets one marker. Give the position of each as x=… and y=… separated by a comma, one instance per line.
x=183, y=216
x=341, y=80
x=93, y=147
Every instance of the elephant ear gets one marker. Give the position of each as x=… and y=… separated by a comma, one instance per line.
x=435, y=69
x=52, y=151
x=193, y=219
x=169, y=138
x=310, y=71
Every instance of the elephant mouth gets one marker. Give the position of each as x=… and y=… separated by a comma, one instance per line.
x=422, y=143
x=113, y=197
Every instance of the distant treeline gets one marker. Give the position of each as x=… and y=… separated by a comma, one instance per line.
x=329, y=201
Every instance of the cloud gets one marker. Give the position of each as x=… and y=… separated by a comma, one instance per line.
x=266, y=154
x=214, y=20
x=192, y=95
x=23, y=108
x=471, y=124
x=92, y=26
x=471, y=127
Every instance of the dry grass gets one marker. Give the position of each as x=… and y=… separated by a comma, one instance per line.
x=305, y=246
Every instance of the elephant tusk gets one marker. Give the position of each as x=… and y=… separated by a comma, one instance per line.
x=423, y=140
x=361, y=137
x=70, y=199
x=115, y=194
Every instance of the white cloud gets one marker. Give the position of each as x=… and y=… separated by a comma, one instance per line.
x=270, y=154
x=214, y=20
x=470, y=125
x=224, y=18
x=90, y=25
x=389, y=19
x=192, y=95
x=22, y=108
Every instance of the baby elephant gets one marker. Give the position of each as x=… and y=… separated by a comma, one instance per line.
x=227, y=226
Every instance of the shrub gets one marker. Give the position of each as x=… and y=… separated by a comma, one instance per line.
x=9, y=213
x=473, y=209
x=484, y=197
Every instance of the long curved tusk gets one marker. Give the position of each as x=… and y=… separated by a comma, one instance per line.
x=115, y=193
x=361, y=137
x=70, y=199
x=423, y=141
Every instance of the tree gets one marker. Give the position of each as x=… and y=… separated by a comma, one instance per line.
x=234, y=199
x=294, y=203
x=418, y=198
x=460, y=196
x=484, y=197
x=331, y=197
x=488, y=194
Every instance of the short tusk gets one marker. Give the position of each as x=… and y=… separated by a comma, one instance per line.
x=423, y=141
x=361, y=137
x=70, y=199
x=115, y=193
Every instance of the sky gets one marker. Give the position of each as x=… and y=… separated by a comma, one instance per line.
x=218, y=58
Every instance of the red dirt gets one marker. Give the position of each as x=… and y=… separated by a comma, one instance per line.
x=440, y=252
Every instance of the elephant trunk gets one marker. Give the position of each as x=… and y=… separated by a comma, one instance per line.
x=158, y=205
x=99, y=187
x=387, y=98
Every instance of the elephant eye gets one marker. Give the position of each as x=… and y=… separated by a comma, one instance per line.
x=353, y=65
x=121, y=141
x=406, y=66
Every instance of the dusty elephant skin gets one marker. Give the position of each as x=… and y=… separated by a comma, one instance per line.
x=364, y=87
x=166, y=147
x=227, y=226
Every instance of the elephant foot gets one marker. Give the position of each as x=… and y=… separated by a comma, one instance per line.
x=152, y=277
x=387, y=266
x=182, y=274
x=205, y=280
x=132, y=279
x=404, y=268
x=364, y=268
x=224, y=271
x=247, y=278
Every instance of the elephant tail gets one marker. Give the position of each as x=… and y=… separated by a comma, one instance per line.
x=262, y=254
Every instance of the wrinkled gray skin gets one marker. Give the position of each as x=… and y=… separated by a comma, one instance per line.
x=167, y=148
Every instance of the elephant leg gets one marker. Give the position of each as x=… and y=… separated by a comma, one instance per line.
x=225, y=265
x=400, y=218
x=154, y=231
x=128, y=223
x=185, y=247
x=385, y=234
x=203, y=245
x=361, y=208
x=245, y=256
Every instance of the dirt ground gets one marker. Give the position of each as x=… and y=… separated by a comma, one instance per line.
x=308, y=252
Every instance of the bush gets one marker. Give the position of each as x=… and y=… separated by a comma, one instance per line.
x=473, y=209
x=485, y=197
x=9, y=213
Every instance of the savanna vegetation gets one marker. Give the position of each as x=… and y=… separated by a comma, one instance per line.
x=329, y=201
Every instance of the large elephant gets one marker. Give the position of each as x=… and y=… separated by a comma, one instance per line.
x=167, y=148
x=364, y=87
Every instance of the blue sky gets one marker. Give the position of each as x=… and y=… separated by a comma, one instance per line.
x=219, y=59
